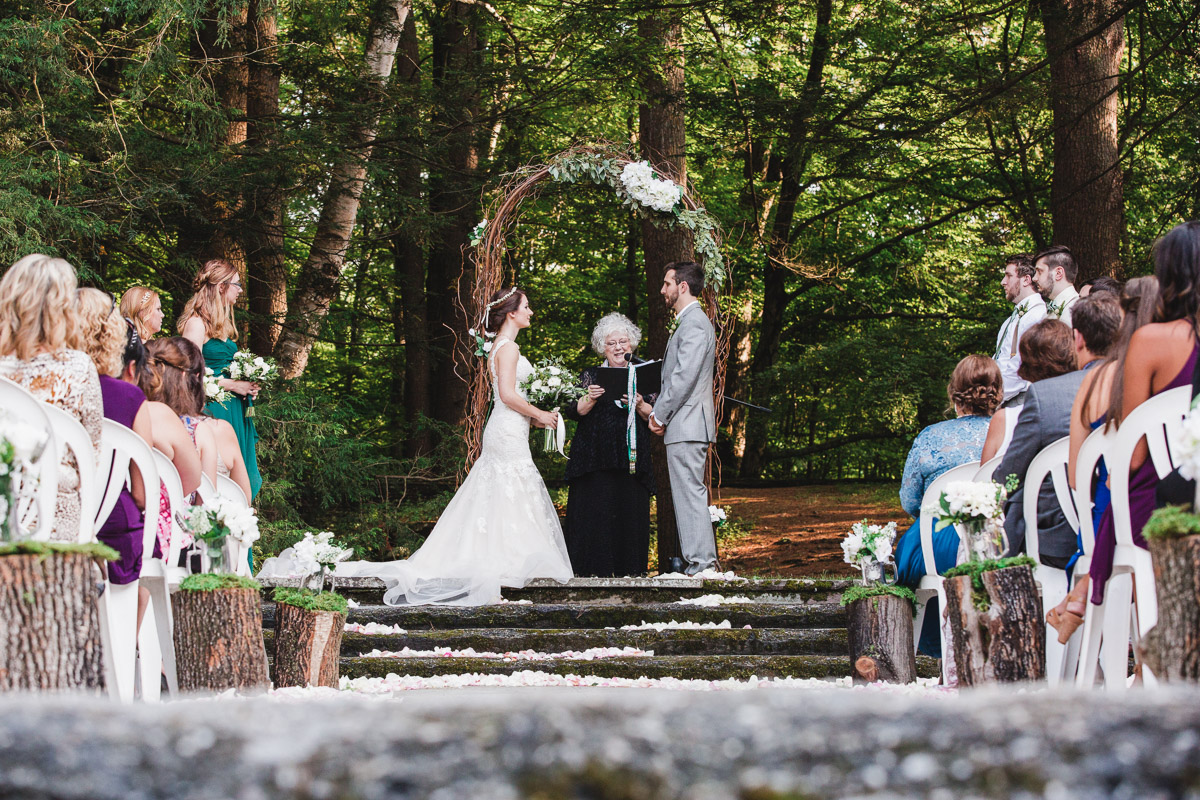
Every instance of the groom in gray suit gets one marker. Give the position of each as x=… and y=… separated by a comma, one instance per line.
x=684, y=414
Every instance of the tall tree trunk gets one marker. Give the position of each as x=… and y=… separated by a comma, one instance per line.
x=322, y=270
x=410, y=379
x=221, y=46
x=662, y=135
x=775, y=296
x=1087, y=204
x=453, y=199
x=266, y=271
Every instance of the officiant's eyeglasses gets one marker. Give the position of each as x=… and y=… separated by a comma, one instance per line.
x=615, y=342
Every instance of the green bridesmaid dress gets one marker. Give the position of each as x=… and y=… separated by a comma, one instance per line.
x=218, y=354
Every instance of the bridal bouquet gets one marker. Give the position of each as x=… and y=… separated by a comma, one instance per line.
x=550, y=387
x=977, y=506
x=212, y=387
x=869, y=547
x=248, y=367
x=216, y=521
x=20, y=448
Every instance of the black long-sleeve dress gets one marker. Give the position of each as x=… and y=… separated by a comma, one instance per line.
x=608, y=509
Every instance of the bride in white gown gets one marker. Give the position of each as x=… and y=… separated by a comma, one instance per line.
x=500, y=529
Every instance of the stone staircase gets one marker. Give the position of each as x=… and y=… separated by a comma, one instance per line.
x=791, y=628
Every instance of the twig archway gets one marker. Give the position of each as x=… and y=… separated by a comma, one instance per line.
x=637, y=186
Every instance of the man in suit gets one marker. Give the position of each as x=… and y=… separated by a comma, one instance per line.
x=684, y=414
x=1045, y=418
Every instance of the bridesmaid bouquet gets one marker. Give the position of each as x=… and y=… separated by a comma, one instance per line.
x=212, y=387
x=248, y=367
x=549, y=387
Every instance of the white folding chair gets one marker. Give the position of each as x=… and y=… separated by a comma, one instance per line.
x=1087, y=462
x=118, y=605
x=932, y=584
x=70, y=435
x=984, y=473
x=1050, y=463
x=39, y=492
x=1158, y=420
x=228, y=488
x=160, y=576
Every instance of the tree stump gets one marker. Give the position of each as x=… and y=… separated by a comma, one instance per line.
x=1171, y=649
x=308, y=646
x=1007, y=642
x=49, y=623
x=218, y=640
x=881, y=639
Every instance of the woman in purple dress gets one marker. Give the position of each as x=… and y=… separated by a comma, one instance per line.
x=105, y=336
x=1162, y=356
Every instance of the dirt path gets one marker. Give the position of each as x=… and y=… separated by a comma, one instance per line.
x=798, y=530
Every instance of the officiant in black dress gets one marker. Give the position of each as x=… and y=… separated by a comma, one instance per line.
x=608, y=505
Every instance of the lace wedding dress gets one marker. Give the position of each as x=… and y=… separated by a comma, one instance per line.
x=499, y=530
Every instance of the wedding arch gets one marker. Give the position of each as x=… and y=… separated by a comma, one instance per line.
x=658, y=199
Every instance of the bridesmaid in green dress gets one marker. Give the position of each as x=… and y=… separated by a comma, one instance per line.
x=207, y=320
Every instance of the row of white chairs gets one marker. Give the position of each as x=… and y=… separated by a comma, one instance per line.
x=1130, y=606
x=132, y=657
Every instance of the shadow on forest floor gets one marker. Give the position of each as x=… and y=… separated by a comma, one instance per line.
x=797, y=530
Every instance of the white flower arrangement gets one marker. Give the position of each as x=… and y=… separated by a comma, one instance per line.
x=217, y=521
x=318, y=553
x=646, y=188
x=248, y=367
x=478, y=232
x=869, y=547
x=212, y=387
x=977, y=506
x=20, y=447
x=718, y=516
x=1186, y=448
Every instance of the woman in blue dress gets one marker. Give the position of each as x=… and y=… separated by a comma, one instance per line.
x=975, y=391
x=207, y=321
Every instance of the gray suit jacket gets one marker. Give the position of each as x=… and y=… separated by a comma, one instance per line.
x=685, y=403
x=1045, y=418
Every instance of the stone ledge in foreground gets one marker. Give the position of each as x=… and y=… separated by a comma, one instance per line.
x=634, y=744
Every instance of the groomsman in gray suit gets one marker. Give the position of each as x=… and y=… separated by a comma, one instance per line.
x=684, y=414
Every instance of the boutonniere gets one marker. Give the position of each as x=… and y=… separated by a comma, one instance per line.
x=1057, y=308
x=672, y=324
x=1022, y=311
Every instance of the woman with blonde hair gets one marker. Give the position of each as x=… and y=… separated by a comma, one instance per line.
x=143, y=307
x=37, y=350
x=207, y=322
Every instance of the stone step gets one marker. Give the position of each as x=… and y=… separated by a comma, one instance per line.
x=712, y=668
x=620, y=590
x=707, y=641
x=592, y=615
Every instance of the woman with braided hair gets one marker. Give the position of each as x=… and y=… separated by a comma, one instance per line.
x=975, y=391
x=207, y=321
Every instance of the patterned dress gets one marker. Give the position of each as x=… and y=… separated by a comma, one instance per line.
x=938, y=448
x=68, y=380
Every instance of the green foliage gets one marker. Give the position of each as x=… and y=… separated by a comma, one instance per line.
x=310, y=600
x=1171, y=522
x=975, y=570
x=875, y=590
x=32, y=548
x=216, y=581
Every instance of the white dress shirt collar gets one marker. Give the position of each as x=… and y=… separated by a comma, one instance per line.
x=683, y=310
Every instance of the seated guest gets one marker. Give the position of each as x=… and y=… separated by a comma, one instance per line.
x=1104, y=283
x=143, y=307
x=1038, y=362
x=103, y=336
x=1097, y=401
x=975, y=391
x=37, y=350
x=1161, y=356
x=608, y=508
x=1046, y=418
